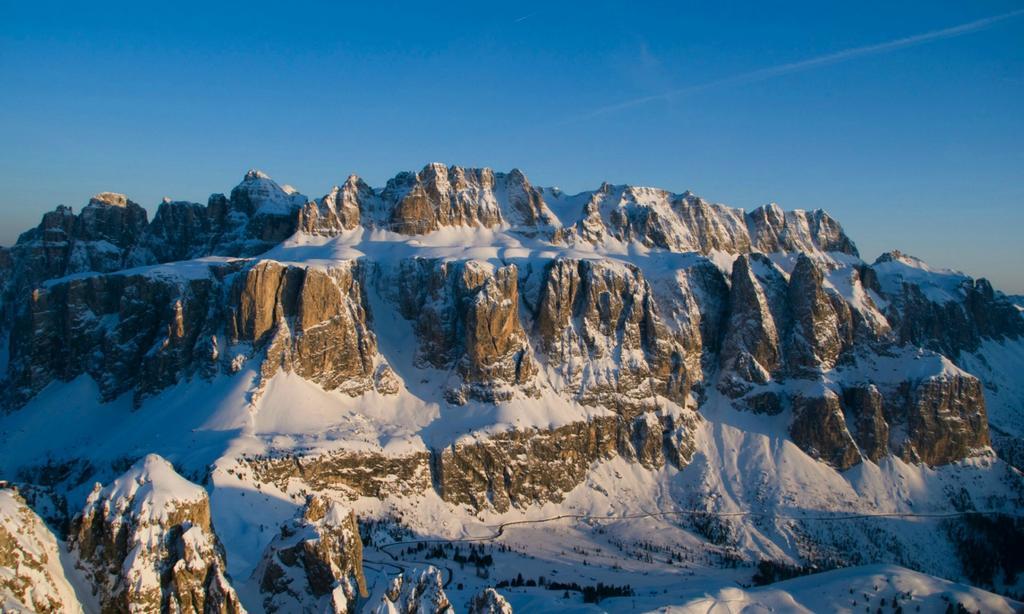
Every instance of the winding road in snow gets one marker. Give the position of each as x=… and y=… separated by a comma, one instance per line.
x=500, y=529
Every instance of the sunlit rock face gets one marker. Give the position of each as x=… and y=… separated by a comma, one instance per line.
x=31, y=576
x=628, y=309
x=315, y=563
x=148, y=545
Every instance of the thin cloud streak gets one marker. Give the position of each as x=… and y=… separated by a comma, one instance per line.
x=792, y=67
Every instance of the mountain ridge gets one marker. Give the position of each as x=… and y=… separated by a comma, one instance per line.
x=462, y=347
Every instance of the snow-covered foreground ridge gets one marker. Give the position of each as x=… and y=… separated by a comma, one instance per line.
x=666, y=389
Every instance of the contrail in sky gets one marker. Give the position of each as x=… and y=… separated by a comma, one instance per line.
x=823, y=60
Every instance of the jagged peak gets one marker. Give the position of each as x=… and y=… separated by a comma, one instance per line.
x=769, y=209
x=903, y=258
x=253, y=174
x=113, y=199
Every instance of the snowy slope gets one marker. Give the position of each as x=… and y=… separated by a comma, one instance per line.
x=850, y=590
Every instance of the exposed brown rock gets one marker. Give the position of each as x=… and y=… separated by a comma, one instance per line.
x=865, y=405
x=31, y=576
x=819, y=428
x=316, y=562
x=147, y=542
x=751, y=351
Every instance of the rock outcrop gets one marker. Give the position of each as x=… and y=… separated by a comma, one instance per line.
x=774, y=230
x=135, y=333
x=312, y=321
x=822, y=322
x=936, y=419
x=944, y=311
x=418, y=592
x=818, y=427
x=628, y=334
x=489, y=601
x=339, y=210
x=517, y=468
x=32, y=578
x=439, y=197
x=600, y=327
x=147, y=543
x=106, y=236
x=688, y=223
x=357, y=474
x=466, y=317
x=315, y=564
x=527, y=467
x=752, y=350
x=142, y=332
x=181, y=230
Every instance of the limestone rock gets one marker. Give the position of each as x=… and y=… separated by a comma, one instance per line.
x=180, y=230
x=31, y=576
x=466, y=316
x=148, y=544
x=944, y=311
x=315, y=564
x=489, y=601
x=339, y=210
x=688, y=223
x=944, y=418
x=358, y=474
x=258, y=215
x=311, y=321
x=819, y=428
x=775, y=230
x=751, y=351
x=106, y=236
x=422, y=592
x=866, y=406
x=822, y=329
x=599, y=325
x=135, y=333
x=438, y=196
x=522, y=468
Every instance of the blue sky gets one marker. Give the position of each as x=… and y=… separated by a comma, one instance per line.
x=912, y=146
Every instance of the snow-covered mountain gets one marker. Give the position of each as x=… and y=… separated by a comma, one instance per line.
x=462, y=391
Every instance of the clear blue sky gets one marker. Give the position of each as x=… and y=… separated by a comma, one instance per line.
x=918, y=147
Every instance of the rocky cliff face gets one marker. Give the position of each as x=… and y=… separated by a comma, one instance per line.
x=521, y=468
x=438, y=197
x=140, y=333
x=489, y=601
x=514, y=469
x=688, y=223
x=339, y=210
x=466, y=317
x=314, y=322
x=600, y=328
x=778, y=318
x=148, y=544
x=418, y=592
x=945, y=311
x=609, y=330
x=31, y=576
x=106, y=236
x=315, y=564
x=133, y=333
